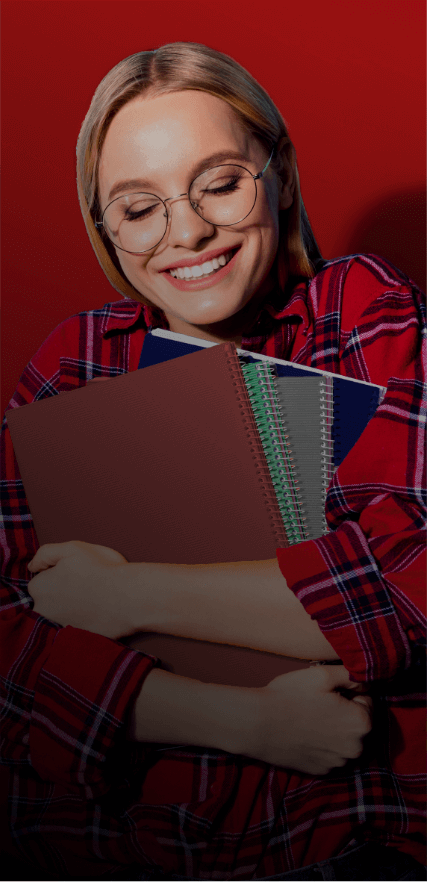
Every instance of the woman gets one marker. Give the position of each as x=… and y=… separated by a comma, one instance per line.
x=276, y=785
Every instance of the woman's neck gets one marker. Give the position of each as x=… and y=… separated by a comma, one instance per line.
x=214, y=333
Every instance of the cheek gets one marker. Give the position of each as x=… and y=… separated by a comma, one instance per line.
x=272, y=223
x=269, y=205
x=138, y=274
x=268, y=235
x=133, y=267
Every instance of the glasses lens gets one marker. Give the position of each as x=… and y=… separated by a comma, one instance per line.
x=223, y=195
x=135, y=222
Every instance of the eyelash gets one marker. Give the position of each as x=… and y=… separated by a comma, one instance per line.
x=227, y=188
x=136, y=215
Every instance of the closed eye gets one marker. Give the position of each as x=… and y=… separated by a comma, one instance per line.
x=139, y=215
x=230, y=187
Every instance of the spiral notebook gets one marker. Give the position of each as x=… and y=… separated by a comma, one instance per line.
x=321, y=415
x=101, y=464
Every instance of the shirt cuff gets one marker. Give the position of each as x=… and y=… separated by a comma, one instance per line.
x=338, y=582
x=84, y=694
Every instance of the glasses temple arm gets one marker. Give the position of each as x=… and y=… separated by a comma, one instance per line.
x=261, y=173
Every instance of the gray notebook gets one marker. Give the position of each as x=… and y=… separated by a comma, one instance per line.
x=307, y=415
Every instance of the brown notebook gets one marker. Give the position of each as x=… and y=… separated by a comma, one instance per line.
x=163, y=464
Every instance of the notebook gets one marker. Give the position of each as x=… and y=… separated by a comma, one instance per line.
x=102, y=464
x=354, y=401
x=160, y=464
x=322, y=414
x=307, y=415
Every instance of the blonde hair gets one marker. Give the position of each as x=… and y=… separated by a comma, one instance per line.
x=176, y=67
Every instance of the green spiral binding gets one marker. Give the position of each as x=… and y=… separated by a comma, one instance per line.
x=259, y=381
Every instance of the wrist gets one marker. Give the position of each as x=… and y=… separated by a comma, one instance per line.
x=152, y=597
x=241, y=717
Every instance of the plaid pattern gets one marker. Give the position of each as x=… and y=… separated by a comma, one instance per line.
x=85, y=803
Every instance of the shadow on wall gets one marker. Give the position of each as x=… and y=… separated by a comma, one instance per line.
x=395, y=228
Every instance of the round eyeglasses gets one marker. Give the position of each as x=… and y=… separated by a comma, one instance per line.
x=222, y=196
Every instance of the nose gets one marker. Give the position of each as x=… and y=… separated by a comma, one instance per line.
x=185, y=226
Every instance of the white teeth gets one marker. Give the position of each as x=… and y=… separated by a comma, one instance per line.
x=205, y=269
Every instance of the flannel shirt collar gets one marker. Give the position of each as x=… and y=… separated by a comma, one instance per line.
x=124, y=314
x=279, y=307
x=289, y=306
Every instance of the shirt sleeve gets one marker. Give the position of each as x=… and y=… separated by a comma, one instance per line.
x=363, y=582
x=66, y=693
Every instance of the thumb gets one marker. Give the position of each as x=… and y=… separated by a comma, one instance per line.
x=48, y=555
x=364, y=700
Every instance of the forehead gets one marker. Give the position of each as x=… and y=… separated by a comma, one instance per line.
x=159, y=134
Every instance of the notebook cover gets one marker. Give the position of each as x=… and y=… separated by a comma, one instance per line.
x=355, y=401
x=156, y=464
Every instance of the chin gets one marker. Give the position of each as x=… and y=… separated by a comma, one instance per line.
x=212, y=318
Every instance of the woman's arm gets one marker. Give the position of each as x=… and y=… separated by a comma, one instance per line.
x=246, y=603
x=65, y=693
x=299, y=720
x=364, y=582
x=243, y=603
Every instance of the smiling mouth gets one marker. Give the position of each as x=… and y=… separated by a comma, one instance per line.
x=201, y=271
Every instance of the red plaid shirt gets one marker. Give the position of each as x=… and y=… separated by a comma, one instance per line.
x=84, y=802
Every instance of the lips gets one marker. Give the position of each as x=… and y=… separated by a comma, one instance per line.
x=204, y=281
x=206, y=257
x=207, y=268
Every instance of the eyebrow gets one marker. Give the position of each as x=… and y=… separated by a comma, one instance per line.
x=136, y=184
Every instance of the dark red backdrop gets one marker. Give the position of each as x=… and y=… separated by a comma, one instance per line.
x=348, y=78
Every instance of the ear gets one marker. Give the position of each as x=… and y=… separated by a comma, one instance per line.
x=286, y=196
x=287, y=176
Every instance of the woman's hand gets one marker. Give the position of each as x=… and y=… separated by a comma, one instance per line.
x=305, y=724
x=82, y=585
x=298, y=721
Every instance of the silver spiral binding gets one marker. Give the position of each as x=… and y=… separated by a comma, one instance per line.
x=259, y=380
x=258, y=453
x=327, y=443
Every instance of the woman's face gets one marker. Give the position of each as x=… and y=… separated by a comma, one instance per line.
x=158, y=145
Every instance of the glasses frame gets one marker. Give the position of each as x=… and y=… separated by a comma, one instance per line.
x=100, y=226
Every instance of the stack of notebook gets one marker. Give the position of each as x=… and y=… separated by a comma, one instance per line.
x=308, y=420
x=199, y=459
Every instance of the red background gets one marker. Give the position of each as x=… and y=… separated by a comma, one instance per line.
x=347, y=76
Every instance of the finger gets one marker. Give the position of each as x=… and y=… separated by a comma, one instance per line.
x=49, y=555
x=363, y=699
x=337, y=677
x=366, y=707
